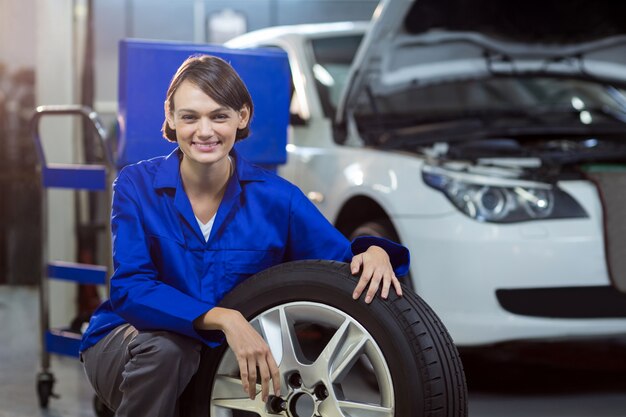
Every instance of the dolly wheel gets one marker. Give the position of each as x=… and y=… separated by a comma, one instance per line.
x=45, y=385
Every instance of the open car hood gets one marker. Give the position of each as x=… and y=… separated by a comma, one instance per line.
x=429, y=41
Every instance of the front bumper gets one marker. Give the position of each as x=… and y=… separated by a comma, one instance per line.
x=459, y=265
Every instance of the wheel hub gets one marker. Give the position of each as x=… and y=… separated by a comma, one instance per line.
x=302, y=405
x=301, y=401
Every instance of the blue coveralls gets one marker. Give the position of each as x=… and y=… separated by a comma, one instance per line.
x=166, y=274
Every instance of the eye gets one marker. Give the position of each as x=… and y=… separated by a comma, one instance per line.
x=188, y=117
x=221, y=116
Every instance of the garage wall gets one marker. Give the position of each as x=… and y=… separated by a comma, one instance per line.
x=179, y=20
x=19, y=192
x=17, y=36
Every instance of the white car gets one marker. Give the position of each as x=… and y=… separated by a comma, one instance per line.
x=497, y=158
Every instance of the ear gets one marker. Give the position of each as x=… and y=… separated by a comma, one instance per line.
x=244, y=117
x=168, y=116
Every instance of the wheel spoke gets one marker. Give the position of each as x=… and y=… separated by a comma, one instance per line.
x=268, y=325
x=350, y=408
x=347, y=357
x=279, y=334
x=342, y=351
x=244, y=404
x=228, y=393
x=228, y=387
x=289, y=345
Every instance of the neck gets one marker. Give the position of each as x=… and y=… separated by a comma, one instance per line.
x=205, y=179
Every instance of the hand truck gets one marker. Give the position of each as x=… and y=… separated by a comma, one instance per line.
x=75, y=177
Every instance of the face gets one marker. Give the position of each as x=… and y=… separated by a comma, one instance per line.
x=205, y=129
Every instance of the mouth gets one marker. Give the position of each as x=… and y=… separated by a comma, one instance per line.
x=206, y=146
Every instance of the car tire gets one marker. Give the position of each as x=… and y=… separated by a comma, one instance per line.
x=417, y=366
x=379, y=227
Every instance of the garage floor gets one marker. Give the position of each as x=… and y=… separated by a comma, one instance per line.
x=503, y=389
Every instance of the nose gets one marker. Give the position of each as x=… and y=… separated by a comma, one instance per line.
x=205, y=128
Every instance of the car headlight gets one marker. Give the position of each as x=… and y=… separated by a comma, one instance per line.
x=482, y=201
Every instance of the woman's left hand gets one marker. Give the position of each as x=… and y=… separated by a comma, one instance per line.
x=376, y=268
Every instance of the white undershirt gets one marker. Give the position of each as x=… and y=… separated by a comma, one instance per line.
x=206, y=228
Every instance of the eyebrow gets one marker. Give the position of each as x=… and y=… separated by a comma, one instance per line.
x=218, y=110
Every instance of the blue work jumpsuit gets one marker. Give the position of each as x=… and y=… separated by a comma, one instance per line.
x=166, y=274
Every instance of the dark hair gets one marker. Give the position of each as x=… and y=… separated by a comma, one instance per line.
x=217, y=79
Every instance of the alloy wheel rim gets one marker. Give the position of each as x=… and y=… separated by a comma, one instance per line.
x=322, y=385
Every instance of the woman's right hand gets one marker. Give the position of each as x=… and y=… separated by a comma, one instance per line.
x=251, y=351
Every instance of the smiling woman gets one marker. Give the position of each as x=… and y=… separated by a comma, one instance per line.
x=205, y=130
x=189, y=227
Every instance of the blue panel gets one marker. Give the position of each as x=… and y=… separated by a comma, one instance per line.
x=82, y=273
x=63, y=342
x=146, y=69
x=78, y=177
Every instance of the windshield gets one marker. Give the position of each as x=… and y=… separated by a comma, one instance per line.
x=503, y=102
x=333, y=56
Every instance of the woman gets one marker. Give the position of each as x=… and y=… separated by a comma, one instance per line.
x=190, y=226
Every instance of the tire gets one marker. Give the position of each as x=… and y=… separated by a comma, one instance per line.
x=417, y=366
x=382, y=228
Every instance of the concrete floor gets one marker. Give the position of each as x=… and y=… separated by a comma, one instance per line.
x=497, y=389
x=19, y=363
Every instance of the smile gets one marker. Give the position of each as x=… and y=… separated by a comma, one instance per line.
x=205, y=146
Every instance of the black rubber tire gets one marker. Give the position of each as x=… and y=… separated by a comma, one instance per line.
x=382, y=228
x=424, y=365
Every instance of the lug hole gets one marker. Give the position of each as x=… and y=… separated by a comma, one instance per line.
x=276, y=405
x=295, y=380
x=321, y=391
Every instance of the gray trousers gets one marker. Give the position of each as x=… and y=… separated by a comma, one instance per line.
x=142, y=373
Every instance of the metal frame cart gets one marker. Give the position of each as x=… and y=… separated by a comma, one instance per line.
x=75, y=177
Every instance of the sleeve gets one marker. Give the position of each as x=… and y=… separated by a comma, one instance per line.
x=137, y=294
x=311, y=236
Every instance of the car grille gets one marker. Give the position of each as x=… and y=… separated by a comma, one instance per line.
x=564, y=302
x=612, y=187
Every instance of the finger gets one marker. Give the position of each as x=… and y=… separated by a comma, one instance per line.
x=373, y=288
x=397, y=286
x=387, y=280
x=265, y=378
x=367, y=267
x=275, y=373
x=360, y=286
x=243, y=373
x=356, y=263
x=252, y=377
